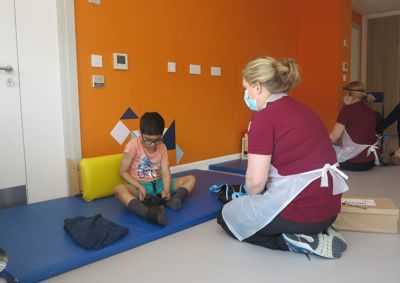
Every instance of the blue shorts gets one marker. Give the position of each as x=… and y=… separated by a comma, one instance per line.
x=156, y=187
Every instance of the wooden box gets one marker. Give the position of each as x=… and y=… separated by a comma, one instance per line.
x=368, y=214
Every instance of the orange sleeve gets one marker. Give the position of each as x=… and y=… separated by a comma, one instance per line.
x=164, y=157
x=131, y=148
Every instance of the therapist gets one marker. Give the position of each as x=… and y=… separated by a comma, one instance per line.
x=355, y=128
x=294, y=186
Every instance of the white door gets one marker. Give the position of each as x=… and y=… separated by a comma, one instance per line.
x=12, y=160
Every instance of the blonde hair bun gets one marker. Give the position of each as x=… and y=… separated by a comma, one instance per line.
x=276, y=76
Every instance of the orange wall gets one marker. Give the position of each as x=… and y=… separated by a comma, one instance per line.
x=323, y=25
x=209, y=111
x=356, y=18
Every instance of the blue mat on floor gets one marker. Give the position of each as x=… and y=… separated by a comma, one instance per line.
x=237, y=166
x=38, y=248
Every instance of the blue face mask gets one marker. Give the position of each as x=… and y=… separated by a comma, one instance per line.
x=251, y=103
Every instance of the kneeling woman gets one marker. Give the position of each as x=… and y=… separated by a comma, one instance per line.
x=355, y=128
x=293, y=183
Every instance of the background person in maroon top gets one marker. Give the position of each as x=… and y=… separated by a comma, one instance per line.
x=359, y=121
x=394, y=116
x=287, y=135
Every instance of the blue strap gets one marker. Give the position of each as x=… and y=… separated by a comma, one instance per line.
x=234, y=195
x=242, y=192
x=217, y=188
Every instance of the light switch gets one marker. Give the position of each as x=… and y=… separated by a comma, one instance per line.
x=171, y=67
x=216, y=71
x=97, y=81
x=195, y=69
x=97, y=2
x=344, y=67
x=97, y=61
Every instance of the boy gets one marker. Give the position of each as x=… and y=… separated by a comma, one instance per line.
x=145, y=169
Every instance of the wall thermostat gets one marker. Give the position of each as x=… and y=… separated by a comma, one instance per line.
x=120, y=61
x=97, y=81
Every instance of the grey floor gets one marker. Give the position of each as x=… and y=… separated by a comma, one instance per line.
x=205, y=253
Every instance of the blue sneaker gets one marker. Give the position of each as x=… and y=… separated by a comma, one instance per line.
x=342, y=241
x=323, y=245
x=3, y=260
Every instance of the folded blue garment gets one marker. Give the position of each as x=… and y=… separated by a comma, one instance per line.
x=93, y=232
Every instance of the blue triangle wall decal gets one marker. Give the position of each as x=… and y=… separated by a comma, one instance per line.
x=169, y=137
x=129, y=114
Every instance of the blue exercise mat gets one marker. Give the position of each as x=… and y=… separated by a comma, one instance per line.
x=238, y=166
x=38, y=248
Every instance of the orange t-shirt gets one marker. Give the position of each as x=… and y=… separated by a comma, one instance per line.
x=146, y=166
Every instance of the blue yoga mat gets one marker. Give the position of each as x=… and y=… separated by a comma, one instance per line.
x=38, y=248
x=238, y=166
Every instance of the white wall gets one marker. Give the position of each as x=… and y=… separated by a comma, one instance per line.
x=355, y=53
x=41, y=98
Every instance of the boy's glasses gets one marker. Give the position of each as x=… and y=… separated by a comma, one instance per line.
x=150, y=141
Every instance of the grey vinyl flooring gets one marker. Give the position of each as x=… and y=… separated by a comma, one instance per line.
x=204, y=253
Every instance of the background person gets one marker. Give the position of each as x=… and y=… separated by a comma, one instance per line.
x=394, y=116
x=355, y=130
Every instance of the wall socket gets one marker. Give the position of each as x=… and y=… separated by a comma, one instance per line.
x=216, y=71
x=194, y=69
x=171, y=67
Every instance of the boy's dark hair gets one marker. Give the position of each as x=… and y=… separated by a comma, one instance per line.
x=151, y=123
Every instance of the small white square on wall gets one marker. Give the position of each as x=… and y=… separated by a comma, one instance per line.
x=120, y=132
x=171, y=67
x=216, y=71
x=194, y=69
x=97, y=2
x=97, y=61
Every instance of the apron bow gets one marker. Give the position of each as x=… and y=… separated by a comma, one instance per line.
x=333, y=170
x=373, y=149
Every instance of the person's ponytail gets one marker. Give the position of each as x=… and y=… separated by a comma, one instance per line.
x=288, y=72
x=275, y=75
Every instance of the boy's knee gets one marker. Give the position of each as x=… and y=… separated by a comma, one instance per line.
x=118, y=189
x=191, y=179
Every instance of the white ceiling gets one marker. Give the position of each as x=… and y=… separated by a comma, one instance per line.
x=365, y=7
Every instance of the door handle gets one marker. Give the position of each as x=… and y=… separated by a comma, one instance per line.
x=6, y=68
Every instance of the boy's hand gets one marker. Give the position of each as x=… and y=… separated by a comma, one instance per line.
x=142, y=193
x=166, y=195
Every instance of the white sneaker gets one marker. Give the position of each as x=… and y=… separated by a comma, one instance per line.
x=3, y=260
x=323, y=245
x=342, y=241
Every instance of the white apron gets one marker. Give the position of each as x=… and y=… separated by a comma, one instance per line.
x=350, y=149
x=248, y=214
